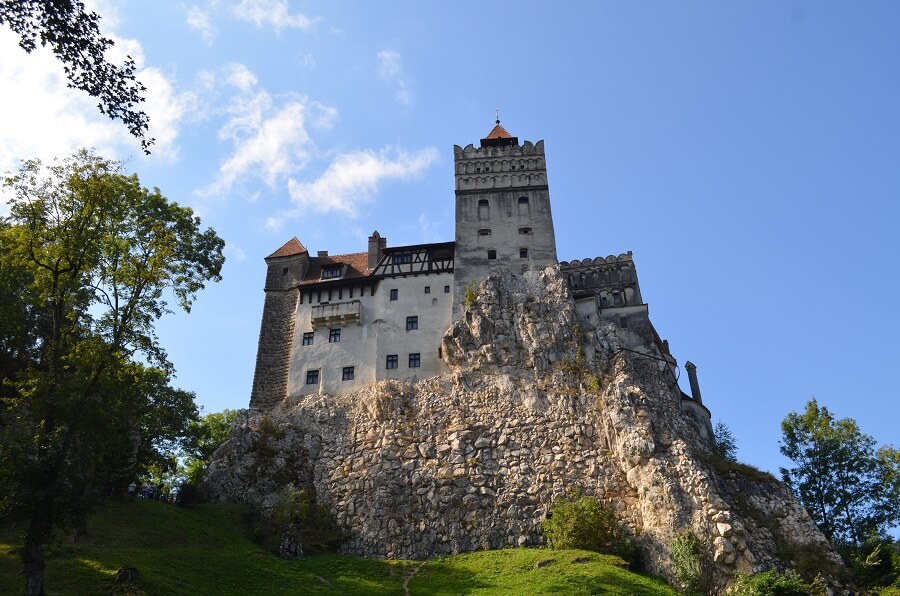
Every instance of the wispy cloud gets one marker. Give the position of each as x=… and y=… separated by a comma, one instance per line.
x=270, y=13
x=269, y=136
x=198, y=19
x=352, y=179
x=390, y=68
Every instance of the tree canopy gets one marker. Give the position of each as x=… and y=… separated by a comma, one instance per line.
x=73, y=35
x=850, y=487
x=90, y=261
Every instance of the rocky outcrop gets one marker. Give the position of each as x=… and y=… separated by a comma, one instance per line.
x=536, y=406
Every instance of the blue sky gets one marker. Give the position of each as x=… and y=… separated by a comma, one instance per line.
x=748, y=153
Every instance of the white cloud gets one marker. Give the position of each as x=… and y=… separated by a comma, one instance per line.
x=198, y=19
x=240, y=76
x=390, y=68
x=353, y=178
x=41, y=117
x=270, y=13
x=233, y=251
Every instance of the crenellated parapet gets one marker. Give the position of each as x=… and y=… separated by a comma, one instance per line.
x=613, y=279
x=498, y=167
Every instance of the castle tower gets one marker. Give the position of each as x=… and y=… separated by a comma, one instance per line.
x=284, y=268
x=503, y=216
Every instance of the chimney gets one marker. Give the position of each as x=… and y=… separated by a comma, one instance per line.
x=377, y=244
x=692, y=379
x=322, y=253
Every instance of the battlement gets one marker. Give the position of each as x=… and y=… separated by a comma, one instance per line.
x=527, y=148
x=624, y=258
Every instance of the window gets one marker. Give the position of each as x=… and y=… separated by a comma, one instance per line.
x=308, y=338
x=334, y=336
x=484, y=232
x=524, y=207
x=415, y=360
x=394, y=294
x=492, y=254
x=623, y=322
x=312, y=377
x=412, y=323
x=347, y=374
x=523, y=253
x=400, y=259
x=484, y=210
x=331, y=272
x=446, y=289
x=524, y=230
x=284, y=270
x=391, y=361
x=427, y=289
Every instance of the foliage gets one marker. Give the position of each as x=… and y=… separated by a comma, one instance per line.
x=73, y=34
x=875, y=563
x=471, y=295
x=92, y=258
x=724, y=444
x=581, y=522
x=850, y=489
x=205, y=436
x=690, y=563
x=220, y=559
x=298, y=517
x=769, y=583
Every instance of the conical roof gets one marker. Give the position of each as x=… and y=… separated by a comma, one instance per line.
x=290, y=248
x=499, y=137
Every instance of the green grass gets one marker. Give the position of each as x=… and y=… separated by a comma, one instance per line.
x=203, y=550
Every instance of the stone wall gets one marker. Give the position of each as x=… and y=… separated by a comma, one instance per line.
x=273, y=356
x=536, y=406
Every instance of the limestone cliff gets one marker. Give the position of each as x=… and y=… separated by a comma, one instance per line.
x=536, y=406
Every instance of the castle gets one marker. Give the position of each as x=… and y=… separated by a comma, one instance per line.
x=334, y=323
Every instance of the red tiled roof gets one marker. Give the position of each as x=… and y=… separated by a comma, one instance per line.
x=498, y=132
x=356, y=267
x=291, y=247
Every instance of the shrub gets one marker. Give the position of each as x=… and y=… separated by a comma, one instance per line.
x=690, y=563
x=298, y=524
x=770, y=583
x=583, y=523
x=471, y=294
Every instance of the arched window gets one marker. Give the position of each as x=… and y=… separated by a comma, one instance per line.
x=524, y=230
x=484, y=232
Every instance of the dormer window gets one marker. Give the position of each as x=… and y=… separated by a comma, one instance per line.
x=332, y=272
x=402, y=258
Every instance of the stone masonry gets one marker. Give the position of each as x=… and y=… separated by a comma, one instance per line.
x=537, y=403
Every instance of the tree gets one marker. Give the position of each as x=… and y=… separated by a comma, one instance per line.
x=73, y=34
x=93, y=259
x=850, y=489
x=205, y=436
x=724, y=444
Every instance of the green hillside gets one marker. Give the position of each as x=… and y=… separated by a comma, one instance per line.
x=204, y=550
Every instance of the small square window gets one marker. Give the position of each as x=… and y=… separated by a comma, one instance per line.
x=391, y=361
x=415, y=360
x=308, y=338
x=334, y=336
x=284, y=270
x=446, y=289
x=492, y=255
x=347, y=374
x=312, y=377
x=523, y=253
x=394, y=294
x=427, y=289
x=412, y=323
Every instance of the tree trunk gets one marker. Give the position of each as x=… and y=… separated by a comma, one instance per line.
x=39, y=531
x=33, y=569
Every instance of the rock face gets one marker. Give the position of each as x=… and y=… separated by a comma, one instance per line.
x=536, y=406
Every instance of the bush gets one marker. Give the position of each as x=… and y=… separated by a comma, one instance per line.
x=583, y=523
x=298, y=524
x=690, y=563
x=770, y=583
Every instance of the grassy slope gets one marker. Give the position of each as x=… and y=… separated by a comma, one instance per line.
x=203, y=551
